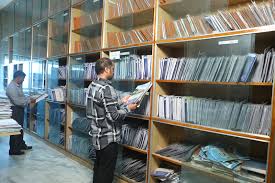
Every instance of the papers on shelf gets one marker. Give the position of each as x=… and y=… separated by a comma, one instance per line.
x=139, y=93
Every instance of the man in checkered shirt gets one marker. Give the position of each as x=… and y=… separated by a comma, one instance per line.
x=106, y=111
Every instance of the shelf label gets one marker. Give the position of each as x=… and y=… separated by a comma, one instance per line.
x=114, y=55
x=125, y=53
x=229, y=42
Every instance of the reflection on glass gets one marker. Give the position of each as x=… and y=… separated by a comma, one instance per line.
x=58, y=35
x=40, y=33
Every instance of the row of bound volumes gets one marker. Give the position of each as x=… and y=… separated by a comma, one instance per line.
x=88, y=19
x=132, y=167
x=244, y=17
x=135, y=136
x=57, y=94
x=62, y=71
x=87, y=44
x=78, y=96
x=134, y=36
x=251, y=67
x=238, y=116
x=133, y=67
x=83, y=71
x=124, y=7
x=81, y=145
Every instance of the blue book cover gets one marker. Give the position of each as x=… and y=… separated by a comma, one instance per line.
x=249, y=65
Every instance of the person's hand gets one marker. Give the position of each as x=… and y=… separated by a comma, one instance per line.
x=125, y=99
x=32, y=100
x=132, y=106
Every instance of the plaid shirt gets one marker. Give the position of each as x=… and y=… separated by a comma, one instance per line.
x=106, y=112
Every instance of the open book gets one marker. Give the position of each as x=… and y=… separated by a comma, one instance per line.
x=39, y=97
x=138, y=94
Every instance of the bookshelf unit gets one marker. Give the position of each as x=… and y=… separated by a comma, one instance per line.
x=56, y=103
x=128, y=23
x=58, y=34
x=86, y=26
x=71, y=35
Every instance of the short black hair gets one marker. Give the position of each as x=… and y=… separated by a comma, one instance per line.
x=19, y=74
x=103, y=63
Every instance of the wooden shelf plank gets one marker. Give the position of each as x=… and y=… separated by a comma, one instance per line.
x=138, y=116
x=77, y=105
x=250, y=136
x=194, y=166
x=89, y=30
x=216, y=83
x=142, y=151
x=124, y=179
x=256, y=30
x=134, y=45
x=132, y=80
x=9, y=133
x=137, y=18
x=55, y=102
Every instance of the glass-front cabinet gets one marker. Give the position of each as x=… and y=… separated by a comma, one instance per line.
x=58, y=34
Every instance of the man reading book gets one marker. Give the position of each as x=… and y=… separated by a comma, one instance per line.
x=106, y=111
x=19, y=101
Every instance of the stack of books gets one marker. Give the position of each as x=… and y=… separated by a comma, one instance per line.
x=89, y=71
x=124, y=7
x=244, y=17
x=248, y=68
x=116, y=39
x=83, y=71
x=78, y=96
x=133, y=168
x=135, y=136
x=5, y=108
x=133, y=67
x=239, y=116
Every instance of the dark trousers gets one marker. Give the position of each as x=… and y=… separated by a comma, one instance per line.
x=16, y=141
x=105, y=164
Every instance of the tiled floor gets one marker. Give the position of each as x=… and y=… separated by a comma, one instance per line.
x=43, y=164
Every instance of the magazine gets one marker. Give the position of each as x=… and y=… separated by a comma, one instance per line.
x=138, y=94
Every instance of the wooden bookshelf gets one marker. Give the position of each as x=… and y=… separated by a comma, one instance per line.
x=255, y=137
x=142, y=151
x=161, y=131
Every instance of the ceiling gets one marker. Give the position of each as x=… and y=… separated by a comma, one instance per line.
x=3, y=3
